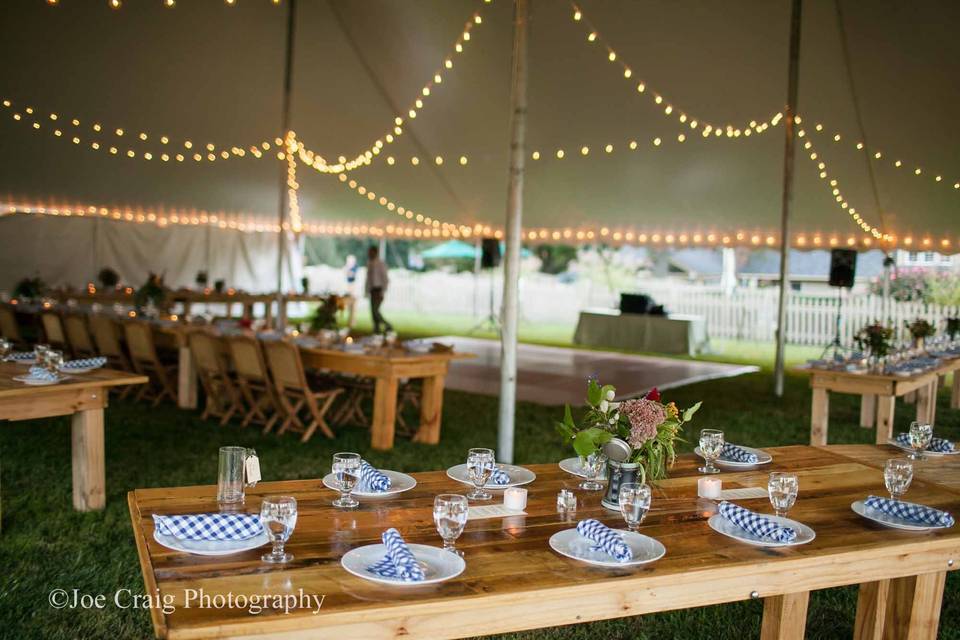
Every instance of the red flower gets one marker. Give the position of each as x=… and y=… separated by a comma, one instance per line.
x=653, y=394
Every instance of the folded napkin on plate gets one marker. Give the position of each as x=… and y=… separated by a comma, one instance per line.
x=39, y=373
x=605, y=539
x=84, y=363
x=912, y=512
x=939, y=445
x=210, y=526
x=499, y=476
x=372, y=479
x=20, y=356
x=756, y=524
x=733, y=453
x=399, y=562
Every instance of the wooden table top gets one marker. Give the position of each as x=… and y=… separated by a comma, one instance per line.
x=946, y=366
x=942, y=470
x=513, y=579
x=389, y=355
x=102, y=377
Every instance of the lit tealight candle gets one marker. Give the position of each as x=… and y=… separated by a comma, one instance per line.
x=515, y=499
x=709, y=488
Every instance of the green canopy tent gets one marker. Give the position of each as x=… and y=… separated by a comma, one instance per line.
x=452, y=250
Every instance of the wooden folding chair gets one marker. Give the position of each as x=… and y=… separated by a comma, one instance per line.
x=9, y=328
x=350, y=410
x=78, y=335
x=106, y=339
x=53, y=332
x=222, y=397
x=295, y=393
x=143, y=355
x=253, y=380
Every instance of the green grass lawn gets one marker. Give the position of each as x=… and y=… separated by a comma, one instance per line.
x=46, y=545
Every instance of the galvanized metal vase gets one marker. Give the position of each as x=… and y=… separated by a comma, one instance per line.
x=618, y=473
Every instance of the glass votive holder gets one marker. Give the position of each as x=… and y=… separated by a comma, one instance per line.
x=566, y=501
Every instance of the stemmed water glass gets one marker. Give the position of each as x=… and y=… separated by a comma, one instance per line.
x=346, y=472
x=479, y=469
x=897, y=476
x=592, y=465
x=782, y=489
x=5, y=348
x=711, y=445
x=920, y=436
x=53, y=361
x=278, y=514
x=634, y=501
x=450, y=516
x=40, y=352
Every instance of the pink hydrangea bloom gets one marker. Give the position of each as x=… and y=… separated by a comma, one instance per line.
x=644, y=416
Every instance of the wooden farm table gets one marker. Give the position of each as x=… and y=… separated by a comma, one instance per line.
x=388, y=369
x=514, y=581
x=84, y=397
x=942, y=470
x=879, y=392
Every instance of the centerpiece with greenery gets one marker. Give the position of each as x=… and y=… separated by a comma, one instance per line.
x=953, y=328
x=108, y=278
x=920, y=329
x=325, y=316
x=151, y=294
x=30, y=288
x=876, y=340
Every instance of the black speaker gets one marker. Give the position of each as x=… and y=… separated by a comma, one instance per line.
x=635, y=303
x=490, y=253
x=843, y=267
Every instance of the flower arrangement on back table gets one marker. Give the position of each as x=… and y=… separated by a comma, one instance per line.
x=920, y=328
x=875, y=339
x=650, y=428
x=953, y=328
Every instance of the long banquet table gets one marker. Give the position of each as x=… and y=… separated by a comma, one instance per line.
x=514, y=581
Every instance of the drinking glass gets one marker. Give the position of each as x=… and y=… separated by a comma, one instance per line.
x=450, y=516
x=346, y=470
x=479, y=469
x=782, y=489
x=278, y=514
x=634, y=503
x=40, y=352
x=920, y=436
x=711, y=444
x=5, y=348
x=231, y=475
x=897, y=475
x=53, y=361
x=592, y=466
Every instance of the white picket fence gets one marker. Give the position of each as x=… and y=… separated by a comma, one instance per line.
x=744, y=314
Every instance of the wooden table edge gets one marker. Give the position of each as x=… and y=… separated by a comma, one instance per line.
x=146, y=566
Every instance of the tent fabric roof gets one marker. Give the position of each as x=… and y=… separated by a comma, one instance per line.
x=210, y=73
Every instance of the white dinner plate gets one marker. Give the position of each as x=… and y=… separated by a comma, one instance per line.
x=399, y=482
x=438, y=565
x=762, y=456
x=211, y=547
x=518, y=476
x=573, y=467
x=571, y=544
x=721, y=525
x=38, y=382
x=888, y=520
x=926, y=452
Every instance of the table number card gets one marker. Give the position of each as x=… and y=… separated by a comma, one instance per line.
x=491, y=511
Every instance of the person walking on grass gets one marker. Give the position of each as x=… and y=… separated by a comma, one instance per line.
x=375, y=288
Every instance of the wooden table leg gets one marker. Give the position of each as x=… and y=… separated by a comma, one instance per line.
x=868, y=411
x=89, y=477
x=955, y=391
x=186, y=380
x=885, y=409
x=871, y=610
x=927, y=403
x=431, y=410
x=910, y=398
x=384, y=413
x=819, y=416
x=913, y=607
x=934, y=388
x=785, y=617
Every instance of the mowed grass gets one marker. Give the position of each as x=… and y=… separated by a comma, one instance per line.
x=45, y=545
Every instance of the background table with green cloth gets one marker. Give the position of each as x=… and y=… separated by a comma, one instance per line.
x=637, y=332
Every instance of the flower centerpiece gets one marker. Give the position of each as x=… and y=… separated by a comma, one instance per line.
x=151, y=294
x=30, y=288
x=875, y=339
x=108, y=278
x=920, y=329
x=953, y=328
x=646, y=430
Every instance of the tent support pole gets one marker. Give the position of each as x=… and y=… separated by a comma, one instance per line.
x=281, y=317
x=512, y=230
x=789, y=128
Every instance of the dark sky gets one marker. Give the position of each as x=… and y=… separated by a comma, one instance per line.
x=212, y=73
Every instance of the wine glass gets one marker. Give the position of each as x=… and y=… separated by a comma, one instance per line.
x=592, y=465
x=5, y=348
x=634, y=501
x=278, y=514
x=479, y=469
x=40, y=352
x=450, y=516
x=782, y=489
x=53, y=361
x=897, y=475
x=346, y=471
x=711, y=444
x=920, y=436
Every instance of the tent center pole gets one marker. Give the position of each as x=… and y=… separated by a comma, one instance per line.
x=281, y=317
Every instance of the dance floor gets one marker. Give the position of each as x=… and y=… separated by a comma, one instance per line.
x=556, y=376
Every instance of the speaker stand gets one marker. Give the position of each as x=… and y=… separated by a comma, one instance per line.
x=492, y=322
x=836, y=346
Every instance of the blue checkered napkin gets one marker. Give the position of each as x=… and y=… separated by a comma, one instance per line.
x=84, y=363
x=372, y=480
x=399, y=562
x=499, y=476
x=19, y=356
x=210, y=526
x=605, y=539
x=39, y=373
x=756, y=524
x=915, y=513
x=939, y=445
x=733, y=453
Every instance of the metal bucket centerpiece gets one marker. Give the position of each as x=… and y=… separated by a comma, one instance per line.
x=619, y=472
